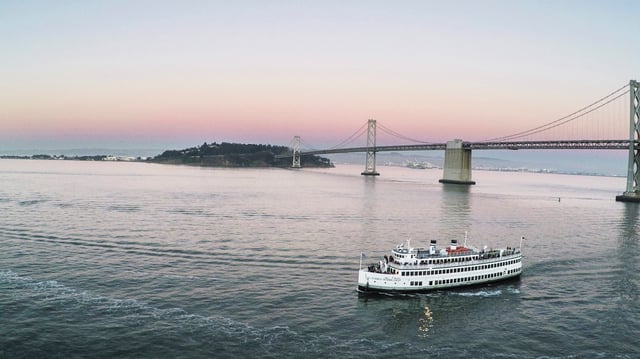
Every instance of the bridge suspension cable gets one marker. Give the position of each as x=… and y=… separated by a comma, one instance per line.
x=359, y=132
x=307, y=145
x=354, y=136
x=568, y=118
x=391, y=132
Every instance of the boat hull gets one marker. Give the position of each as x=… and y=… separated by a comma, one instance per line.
x=376, y=290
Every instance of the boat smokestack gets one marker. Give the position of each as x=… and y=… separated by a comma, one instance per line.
x=454, y=244
x=432, y=247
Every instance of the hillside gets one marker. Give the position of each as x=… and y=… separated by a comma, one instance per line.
x=235, y=155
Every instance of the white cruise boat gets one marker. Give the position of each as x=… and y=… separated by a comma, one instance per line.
x=410, y=269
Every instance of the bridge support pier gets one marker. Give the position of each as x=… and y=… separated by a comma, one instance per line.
x=370, y=165
x=457, y=164
x=296, y=152
x=632, y=194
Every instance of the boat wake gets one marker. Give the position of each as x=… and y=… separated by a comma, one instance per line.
x=213, y=335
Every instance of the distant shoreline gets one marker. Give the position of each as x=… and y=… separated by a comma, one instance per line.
x=225, y=155
x=76, y=158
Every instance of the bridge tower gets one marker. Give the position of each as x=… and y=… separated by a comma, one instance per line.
x=457, y=164
x=295, y=144
x=370, y=165
x=632, y=194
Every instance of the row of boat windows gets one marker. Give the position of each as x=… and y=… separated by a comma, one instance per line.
x=463, y=258
x=459, y=269
x=440, y=260
x=460, y=280
x=448, y=260
x=443, y=260
x=492, y=254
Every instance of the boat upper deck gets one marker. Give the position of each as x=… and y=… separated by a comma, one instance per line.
x=454, y=255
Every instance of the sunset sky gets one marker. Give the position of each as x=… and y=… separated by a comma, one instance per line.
x=169, y=73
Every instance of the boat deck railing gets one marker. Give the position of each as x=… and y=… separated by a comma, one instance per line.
x=513, y=254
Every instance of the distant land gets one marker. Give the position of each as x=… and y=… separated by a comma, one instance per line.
x=207, y=155
x=570, y=162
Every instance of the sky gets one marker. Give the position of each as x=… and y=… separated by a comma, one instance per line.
x=167, y=74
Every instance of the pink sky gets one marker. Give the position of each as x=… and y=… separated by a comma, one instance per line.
x=188, y=72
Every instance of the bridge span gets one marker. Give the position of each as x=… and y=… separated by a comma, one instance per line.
x=457, y=159
x=516, y=145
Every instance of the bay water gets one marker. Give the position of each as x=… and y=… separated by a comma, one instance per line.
x=116, y=259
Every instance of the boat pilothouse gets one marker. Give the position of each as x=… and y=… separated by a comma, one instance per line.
x=409, y=269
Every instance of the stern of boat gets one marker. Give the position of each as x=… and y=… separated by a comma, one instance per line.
x=363, y=284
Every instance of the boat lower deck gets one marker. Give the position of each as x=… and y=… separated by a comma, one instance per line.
x=364, y=289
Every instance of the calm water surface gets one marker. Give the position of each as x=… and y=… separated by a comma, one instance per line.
x=141, y=260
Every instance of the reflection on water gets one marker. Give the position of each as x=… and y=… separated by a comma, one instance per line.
x=627, y=281
x=425, y=322
x=630, y=221
x=455, y=211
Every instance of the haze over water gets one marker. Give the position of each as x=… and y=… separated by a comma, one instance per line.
x=142, y=260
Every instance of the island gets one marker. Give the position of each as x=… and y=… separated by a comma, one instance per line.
x=207, y=155
x=235, y=155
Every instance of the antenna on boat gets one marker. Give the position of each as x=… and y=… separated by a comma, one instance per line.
x=465, y=239
x=361, y=254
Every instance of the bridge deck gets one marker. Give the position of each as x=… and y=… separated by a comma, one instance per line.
x=517, y=145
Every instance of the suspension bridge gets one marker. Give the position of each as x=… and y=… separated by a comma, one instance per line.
x=604, y=124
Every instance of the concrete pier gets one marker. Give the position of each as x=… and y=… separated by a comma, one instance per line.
x=457, y=164
x=370, y=165
x=632, y=194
